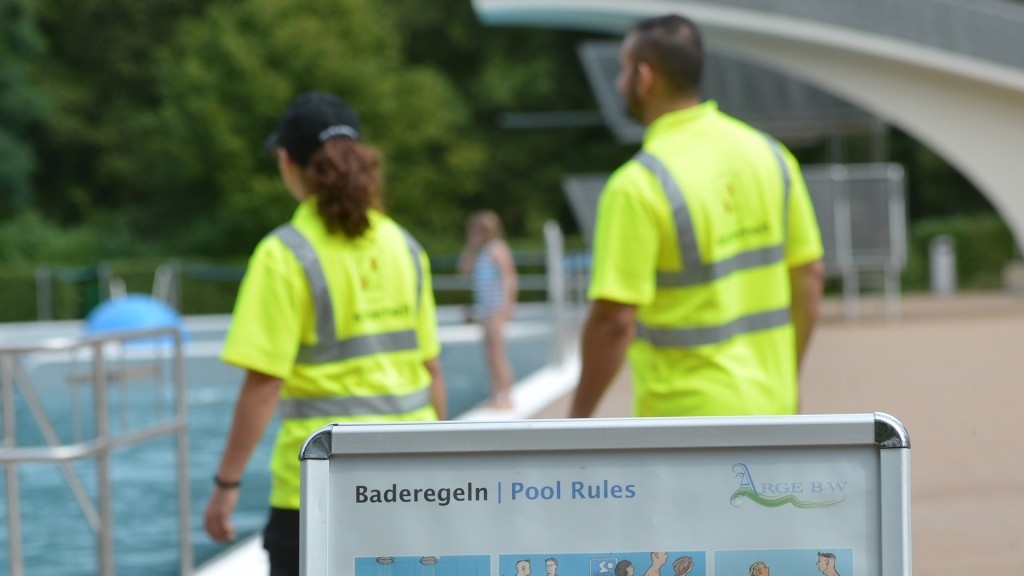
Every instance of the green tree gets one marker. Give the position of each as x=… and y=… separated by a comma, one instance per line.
x=100, y=76
x=20, y=107
x=197, y=160
x=502, y=70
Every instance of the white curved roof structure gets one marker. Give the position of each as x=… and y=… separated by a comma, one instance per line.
x=951, y=74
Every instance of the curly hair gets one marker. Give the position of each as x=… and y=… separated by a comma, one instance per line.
x=345, y=177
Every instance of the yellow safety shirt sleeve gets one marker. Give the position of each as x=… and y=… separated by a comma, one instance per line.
x=266, y=323
x=426, y=330
x=625, y=251
x=803, y=242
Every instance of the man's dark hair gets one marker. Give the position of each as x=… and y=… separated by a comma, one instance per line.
x=672, y=46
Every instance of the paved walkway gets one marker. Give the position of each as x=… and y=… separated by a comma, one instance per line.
x=952, y=371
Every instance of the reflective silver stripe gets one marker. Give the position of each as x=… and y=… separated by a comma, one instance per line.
x=328, y=348
x=334, y=350
x=695, y=270
x=324, y=308
x=347, y=406
x=704, y=335
x=415, y=249
x=785, y=185
x=721, y=269
x=693, y=267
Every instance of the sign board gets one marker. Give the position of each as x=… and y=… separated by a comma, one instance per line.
x=623, y=497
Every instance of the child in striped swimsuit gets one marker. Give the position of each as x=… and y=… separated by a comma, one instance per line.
x=488, y=259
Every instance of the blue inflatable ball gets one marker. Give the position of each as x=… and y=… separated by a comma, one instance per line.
x=131, y=312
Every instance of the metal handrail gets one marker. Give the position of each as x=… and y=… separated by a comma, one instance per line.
x=101, y=446
x=988, y=30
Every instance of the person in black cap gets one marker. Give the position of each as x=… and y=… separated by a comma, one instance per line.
x=334, y=321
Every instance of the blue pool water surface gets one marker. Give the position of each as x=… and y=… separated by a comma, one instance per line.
x=56, y=537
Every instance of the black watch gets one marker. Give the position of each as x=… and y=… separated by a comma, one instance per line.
x=223, y=484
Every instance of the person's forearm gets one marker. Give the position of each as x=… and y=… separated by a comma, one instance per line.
x=606, y=337
x=255, y=407
x=807, y=284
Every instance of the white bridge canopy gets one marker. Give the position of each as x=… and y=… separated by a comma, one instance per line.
x=950, y=75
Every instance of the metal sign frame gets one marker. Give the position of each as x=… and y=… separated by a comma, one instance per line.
x=363, y=495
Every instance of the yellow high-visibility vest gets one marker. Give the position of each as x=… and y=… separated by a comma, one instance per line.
x=699, y=231
x=346, y=323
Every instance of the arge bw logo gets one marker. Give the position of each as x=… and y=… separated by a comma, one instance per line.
x=818, y=494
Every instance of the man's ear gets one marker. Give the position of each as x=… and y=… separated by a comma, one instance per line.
x=645, y=77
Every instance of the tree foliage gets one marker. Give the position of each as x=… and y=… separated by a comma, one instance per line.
x=524, y=70
x=223, y=83
x=144, y=120
x=20, y=105
x=99, y=77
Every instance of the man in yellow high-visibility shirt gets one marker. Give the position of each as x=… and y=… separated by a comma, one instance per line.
x=707, y=255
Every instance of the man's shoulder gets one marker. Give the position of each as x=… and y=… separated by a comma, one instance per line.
x=726, y=119
x=631, y=175
x=740, y=129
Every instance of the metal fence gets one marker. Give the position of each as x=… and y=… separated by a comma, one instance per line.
x=97, y=396
x=861, y=210
x=791, y=110
x=989, y=30
x=552, y=272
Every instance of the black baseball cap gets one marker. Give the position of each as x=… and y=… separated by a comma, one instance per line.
x=311, y=119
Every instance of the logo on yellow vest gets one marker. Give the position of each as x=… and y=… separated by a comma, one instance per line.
x=730, y=197
x=371, y=280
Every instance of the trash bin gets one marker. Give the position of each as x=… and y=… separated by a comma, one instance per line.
x=942, y=265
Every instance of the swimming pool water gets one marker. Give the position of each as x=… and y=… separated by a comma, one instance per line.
x=56, y=537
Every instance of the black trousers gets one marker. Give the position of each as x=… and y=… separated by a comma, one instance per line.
x=281, y=541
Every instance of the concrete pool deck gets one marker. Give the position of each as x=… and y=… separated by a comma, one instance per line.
x=952, y=371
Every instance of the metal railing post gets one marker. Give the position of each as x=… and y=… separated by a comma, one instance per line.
x=106, y=533
x=555, y=254
x=14, y=545
x=104, y=274
x=102, y=446
x=184, y=482
x=44, y=293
